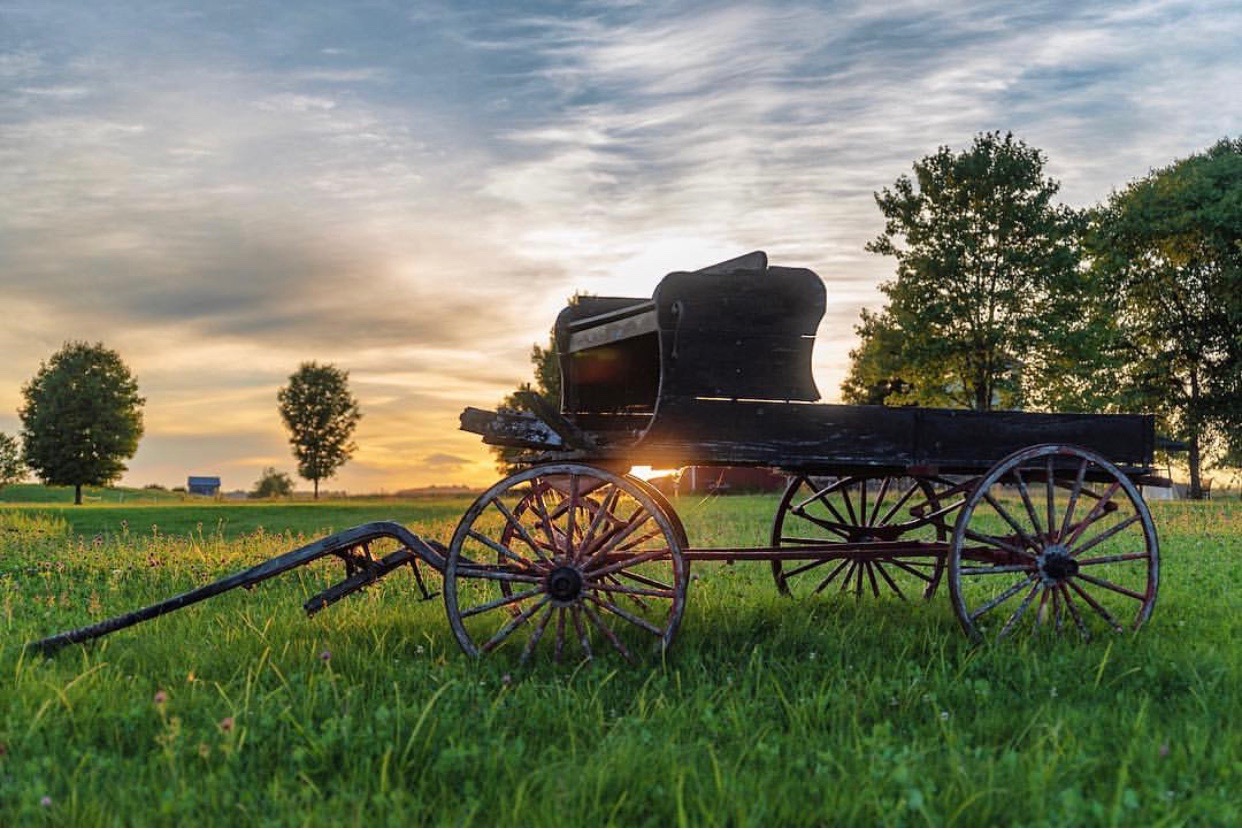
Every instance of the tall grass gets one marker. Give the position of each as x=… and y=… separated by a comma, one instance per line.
x=767, y=711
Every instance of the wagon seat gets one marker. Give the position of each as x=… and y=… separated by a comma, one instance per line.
x=737, y=330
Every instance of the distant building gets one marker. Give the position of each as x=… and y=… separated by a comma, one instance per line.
x=203, y=485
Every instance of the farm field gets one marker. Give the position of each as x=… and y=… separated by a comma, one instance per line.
x=767, y=710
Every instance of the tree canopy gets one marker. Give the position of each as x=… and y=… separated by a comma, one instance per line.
x=272, y=484
x=1168, y=251
x=985, y=300
x=82, y=417
x=320, y=414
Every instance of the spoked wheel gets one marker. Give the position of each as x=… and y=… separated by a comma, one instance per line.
x=1054, y=539
x=567, y=560
x=859, y=510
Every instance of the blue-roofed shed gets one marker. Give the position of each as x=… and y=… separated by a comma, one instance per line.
x=203, y=485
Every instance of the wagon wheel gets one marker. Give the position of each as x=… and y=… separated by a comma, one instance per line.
x=569, y=560
x=858, y=509
x=1053, y=538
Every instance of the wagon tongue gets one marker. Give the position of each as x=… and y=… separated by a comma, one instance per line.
x=352, y=546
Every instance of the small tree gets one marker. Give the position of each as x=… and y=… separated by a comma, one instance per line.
x=320, y=414
x=11, y=466
x=547, y=385
x=272, y=484
x=82, y=417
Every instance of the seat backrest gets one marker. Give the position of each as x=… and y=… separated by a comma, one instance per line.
x=745, y=333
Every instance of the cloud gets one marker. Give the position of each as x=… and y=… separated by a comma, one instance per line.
x=444, y=460
x=412, y=193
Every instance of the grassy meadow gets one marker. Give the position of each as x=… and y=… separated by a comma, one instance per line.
x=767, y=710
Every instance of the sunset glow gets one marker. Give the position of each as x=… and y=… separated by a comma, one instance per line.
x=411, y=192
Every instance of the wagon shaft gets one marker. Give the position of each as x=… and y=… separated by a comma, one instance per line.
x=352, y=546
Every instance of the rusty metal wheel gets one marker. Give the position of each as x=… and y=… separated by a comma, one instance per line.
x=566, y=560
x=859, y=510
x=1054, y=538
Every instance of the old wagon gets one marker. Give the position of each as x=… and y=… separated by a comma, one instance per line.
x=1034, y=520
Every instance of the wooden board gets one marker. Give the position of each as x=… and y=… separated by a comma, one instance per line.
x=828, y=437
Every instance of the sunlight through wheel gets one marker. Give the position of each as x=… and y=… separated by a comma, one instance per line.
x=857, y=510
x=566, y=560
x=1053, y=539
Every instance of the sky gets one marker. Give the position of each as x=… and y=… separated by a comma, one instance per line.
x=221, y=191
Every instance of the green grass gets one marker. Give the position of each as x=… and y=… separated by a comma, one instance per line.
x=767, y=711
x=44, y=494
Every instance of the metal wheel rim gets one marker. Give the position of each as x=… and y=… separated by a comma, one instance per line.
x=600, y=598
x=1046, y=591
x=870, y=574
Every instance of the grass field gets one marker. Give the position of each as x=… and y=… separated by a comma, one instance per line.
x=767, y=711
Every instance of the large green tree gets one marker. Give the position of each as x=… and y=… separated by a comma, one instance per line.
x=1169, y=250
x=82, y=417
x=320, y=413
x=989, y=306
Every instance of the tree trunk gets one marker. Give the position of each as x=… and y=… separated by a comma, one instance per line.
x=316, y=488
x=1196, y=480
x=1196, y=486
x=77, y=494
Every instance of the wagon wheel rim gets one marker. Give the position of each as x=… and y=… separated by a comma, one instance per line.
x=1057, y=540
x=568, y=561
x=859, y=509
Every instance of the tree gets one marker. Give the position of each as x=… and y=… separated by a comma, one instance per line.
x=272, y=484
x=987, y=306
x=320, y=414
x=547, y=385
x=1169, y=250
x=82, y=417
x=11, y=466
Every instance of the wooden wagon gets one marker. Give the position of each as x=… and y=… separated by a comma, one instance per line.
x=1034, y=520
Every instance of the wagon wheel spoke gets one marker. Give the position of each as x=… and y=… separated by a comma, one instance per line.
x=559, y=648
x=609, y=634
x=897, y=505
x=814, y=563
x=504, y=550
x=1094, y=603
x=1112, y=588
x=513, y=599
x=1073, y=610
x=877, y=502
x=859, y=510
x=844, y=563
x=1031, y=512
x=1075, y=491
x=511, y=626
x=896, y=589
x=1019, y=611
x=537, y=634
x=606, y=567
x=1018, y=529
x=1000, y=599
x=999, y=543
x=838, y=529
x=518, y=528
x=612, y=585
x=1080, y=549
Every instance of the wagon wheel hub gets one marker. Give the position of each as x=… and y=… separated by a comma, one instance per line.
x=564, y=585
x=1056, y=565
